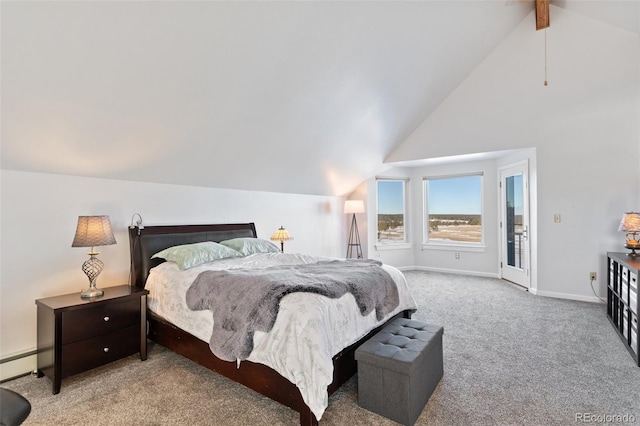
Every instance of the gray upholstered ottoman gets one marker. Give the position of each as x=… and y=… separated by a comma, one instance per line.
x=399, y=368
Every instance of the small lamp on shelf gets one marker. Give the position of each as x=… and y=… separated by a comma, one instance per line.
x=353, y=207
x=93, y=231
x=281, y=235
x=630, y=224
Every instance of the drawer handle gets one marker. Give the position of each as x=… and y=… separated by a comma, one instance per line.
x=106, y=350
x=106, y=319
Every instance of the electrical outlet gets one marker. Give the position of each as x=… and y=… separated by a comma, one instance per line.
x=457, y=255
x=593, y=276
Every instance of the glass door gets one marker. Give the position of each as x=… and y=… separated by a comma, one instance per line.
x=514, y=224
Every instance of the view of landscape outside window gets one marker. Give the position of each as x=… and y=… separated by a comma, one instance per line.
x=513, y=222
x=391, y=211
x=454, y=209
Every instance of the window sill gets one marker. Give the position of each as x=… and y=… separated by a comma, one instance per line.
x=393, y=246
x=455, y=247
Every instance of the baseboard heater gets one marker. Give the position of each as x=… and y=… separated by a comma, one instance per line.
x=18, y=365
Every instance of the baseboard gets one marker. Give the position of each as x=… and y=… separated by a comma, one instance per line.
x=449, y=271
x=569, y=296
x=18, y=365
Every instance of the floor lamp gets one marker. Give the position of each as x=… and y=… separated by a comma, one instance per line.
x=353, y=207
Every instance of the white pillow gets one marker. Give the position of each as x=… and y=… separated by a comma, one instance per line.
x=247, y=246
x=189, y=255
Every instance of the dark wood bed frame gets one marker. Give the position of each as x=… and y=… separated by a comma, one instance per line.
x=149, y=240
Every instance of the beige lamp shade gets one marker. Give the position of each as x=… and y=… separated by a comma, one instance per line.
x=93, y=231
x=630, y=222
x=353, y=206
x=281, y=235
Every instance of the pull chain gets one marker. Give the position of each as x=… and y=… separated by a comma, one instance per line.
x=546, y=83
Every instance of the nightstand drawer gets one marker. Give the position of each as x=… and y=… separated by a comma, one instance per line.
x=99, y=319
x=90, y=353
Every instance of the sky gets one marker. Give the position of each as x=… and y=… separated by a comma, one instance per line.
x=390, y=196
x=460, y=195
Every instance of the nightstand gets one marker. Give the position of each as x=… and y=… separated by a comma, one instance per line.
x=76, y=335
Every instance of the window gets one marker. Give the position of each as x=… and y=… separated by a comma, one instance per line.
x=392, y=208
x=453, y=209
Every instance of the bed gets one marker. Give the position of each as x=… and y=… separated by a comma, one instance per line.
x=147, y=241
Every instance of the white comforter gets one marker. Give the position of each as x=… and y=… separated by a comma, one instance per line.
x=309, y=330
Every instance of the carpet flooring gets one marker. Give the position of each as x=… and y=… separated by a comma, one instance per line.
x=510, y=358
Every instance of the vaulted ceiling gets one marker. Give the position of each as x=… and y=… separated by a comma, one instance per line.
x=300, y=97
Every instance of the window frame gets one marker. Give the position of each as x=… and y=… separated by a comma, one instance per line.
x=451, y=245
x=405, y=243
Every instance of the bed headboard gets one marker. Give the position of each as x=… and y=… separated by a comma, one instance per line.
x=145, y=242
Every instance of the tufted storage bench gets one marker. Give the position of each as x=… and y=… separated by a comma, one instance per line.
x=399, y=368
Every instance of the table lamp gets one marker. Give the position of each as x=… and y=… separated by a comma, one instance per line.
x=630, y=224
x=93, y=231
x=281, y=235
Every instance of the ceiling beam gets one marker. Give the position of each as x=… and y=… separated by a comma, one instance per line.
x=542, y=14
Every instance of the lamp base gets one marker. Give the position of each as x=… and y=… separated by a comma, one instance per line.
x=354, y=240
x=633, y=248
x=91, y=292
x=92, y=268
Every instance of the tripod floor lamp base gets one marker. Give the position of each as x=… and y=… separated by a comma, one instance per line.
x=354, y=240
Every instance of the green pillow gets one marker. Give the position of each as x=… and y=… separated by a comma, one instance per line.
x=189, y=255
x=247, y=246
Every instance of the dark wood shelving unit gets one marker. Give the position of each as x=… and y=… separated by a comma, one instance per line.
x=622, y=299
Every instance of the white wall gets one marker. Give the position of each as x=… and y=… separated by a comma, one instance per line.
x=584, y=127
x=39, y=214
